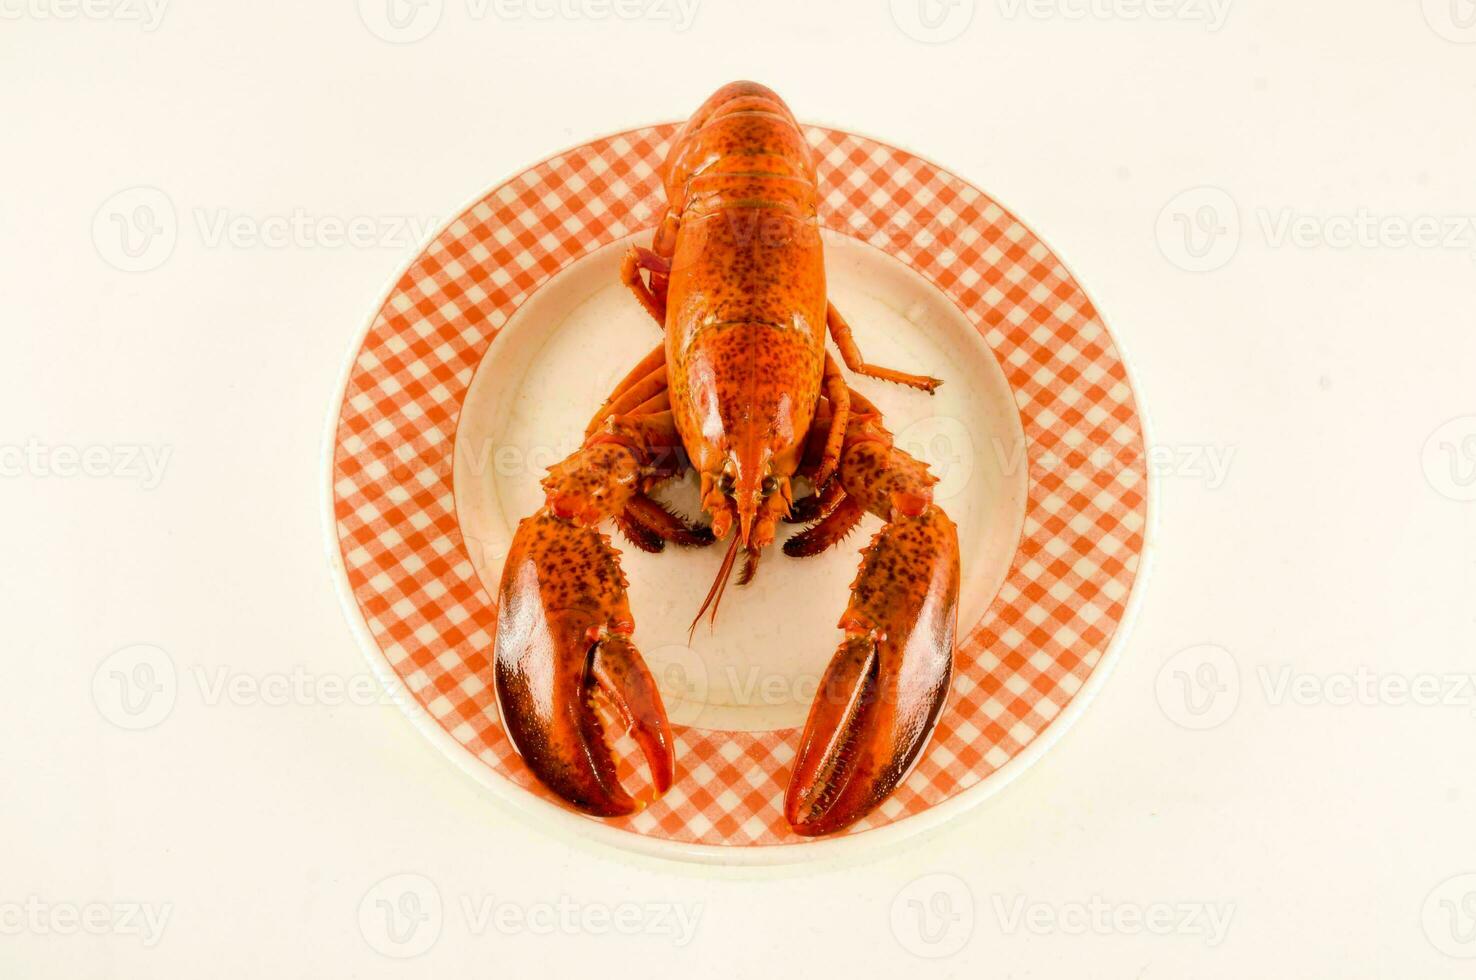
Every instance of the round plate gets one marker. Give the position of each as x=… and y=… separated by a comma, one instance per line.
x=493, y=348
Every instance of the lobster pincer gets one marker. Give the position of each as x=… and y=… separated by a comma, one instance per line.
x=880, y=698
x=563, y=653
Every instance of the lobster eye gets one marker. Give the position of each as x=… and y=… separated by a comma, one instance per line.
x=725, y=483
x=769, y=485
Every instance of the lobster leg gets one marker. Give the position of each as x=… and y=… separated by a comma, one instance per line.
x=665, y=525
x=629, y=400
x=839, y=397
x=885, y=688
x=840, y=331
x=831, y=529
x=648, y=366
x=809, y=509
x=823, y=446
x=637, y=259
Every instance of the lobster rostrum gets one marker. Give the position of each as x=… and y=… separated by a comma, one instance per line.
x=743, y=391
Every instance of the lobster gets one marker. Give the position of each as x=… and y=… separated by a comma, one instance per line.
x=744, y=391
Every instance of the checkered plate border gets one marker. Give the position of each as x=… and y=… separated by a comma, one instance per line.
x=1020, y=665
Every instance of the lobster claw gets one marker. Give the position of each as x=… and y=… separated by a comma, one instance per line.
x=885, y=688
x=562, y=648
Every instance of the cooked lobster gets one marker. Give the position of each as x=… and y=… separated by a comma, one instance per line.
x=743, y=391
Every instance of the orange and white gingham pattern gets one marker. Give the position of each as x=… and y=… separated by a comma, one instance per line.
x=1018, y=667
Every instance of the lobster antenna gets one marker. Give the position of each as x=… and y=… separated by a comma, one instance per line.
x=715, y=594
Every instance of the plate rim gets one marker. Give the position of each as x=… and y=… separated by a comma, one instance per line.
x=528, y=807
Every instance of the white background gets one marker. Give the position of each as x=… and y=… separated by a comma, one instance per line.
x=1334, y=543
